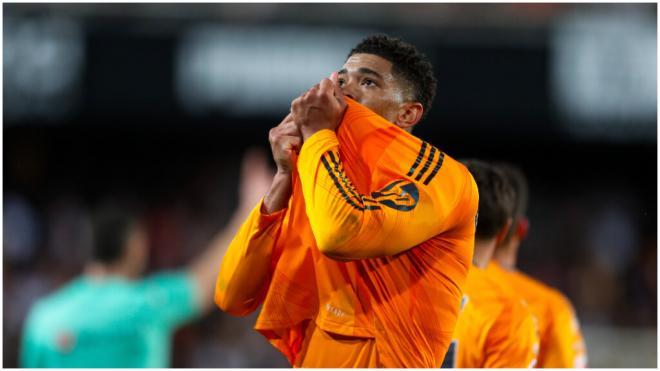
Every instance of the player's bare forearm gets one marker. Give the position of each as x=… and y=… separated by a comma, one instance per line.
x=279, y=193
x=285, y=141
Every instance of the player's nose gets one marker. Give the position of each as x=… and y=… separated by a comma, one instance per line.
x=350, y=92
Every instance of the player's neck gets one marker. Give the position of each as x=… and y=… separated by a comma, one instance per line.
x=506, y=256
x=483, y=251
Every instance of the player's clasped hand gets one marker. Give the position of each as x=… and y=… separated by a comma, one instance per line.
x=285, y=139
x=321, y=107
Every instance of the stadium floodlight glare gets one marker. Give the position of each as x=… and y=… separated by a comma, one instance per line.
x=43, y=60
x=604, y=75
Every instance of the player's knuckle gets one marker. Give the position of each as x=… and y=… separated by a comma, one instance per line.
x=291, y=127
x=277, y=136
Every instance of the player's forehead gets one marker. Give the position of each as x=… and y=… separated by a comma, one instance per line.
x=366, y=63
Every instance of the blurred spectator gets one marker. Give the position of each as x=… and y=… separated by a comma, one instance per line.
x=109, y=317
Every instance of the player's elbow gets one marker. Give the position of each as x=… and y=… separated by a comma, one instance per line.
x=336, y=239
x=232, y=304
x=333, y=245
x=332, y=251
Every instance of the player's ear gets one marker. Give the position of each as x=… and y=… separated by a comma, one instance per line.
x=410, y=113
x=522, y=228
x=501, y=235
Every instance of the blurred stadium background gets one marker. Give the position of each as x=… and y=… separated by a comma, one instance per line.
x=159, y=101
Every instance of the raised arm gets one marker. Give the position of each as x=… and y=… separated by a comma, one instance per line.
x=246, y=267
x=245, y=270
x=413, y=191
x=403, y=209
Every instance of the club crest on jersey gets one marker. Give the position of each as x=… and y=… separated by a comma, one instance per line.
x=400, y=195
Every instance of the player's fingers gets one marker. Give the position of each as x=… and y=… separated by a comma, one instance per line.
x=288, y=121
x=280, y=133
x=290, y=128
x=327, y=88
x=311, y=94
x=295, y=105
x=272, y=134
x=313, y=90
x=339, y=94
x=295, y=143
x=290, y=143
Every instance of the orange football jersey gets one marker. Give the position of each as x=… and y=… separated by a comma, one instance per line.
x=562, y=344
x=494, y=330
x=398, y=217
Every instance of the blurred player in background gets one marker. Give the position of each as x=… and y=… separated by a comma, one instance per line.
x=360, y=249
x=110, y=316
x=561, y=343
x=495, y=329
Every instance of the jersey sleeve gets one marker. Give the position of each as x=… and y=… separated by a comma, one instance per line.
x=513, y=341
x=565, y=346
x=414, y=193
x=171, y=298
x=245, y=270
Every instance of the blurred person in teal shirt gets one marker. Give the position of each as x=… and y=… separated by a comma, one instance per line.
x=109, y=316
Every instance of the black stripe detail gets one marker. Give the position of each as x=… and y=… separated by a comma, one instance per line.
x=342, y=176
x=426, y=164
x=347, y=183
x=437, y=167
x=360, y=207
x=336, y=181
x=418, y=160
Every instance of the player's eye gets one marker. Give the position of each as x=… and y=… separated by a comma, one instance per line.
x=368, y=82
x=341, y=82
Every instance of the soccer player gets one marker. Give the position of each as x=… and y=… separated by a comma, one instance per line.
x=360, y=248
x=109, y=316
x=495, y=329
x=561, y=343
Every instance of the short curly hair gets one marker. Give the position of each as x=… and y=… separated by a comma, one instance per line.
x=412, y=66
